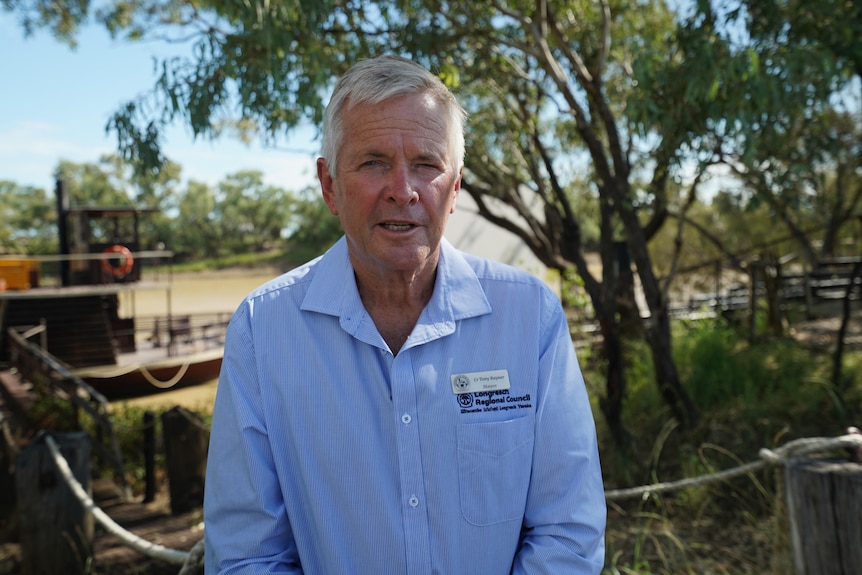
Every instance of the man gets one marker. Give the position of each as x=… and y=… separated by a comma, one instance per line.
x=396, y=406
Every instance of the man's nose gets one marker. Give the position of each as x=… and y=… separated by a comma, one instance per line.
x=401, y=187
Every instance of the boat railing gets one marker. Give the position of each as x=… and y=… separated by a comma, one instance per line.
x=89, y=268
x=165, y=329
x=171, y=331
x=51, y=377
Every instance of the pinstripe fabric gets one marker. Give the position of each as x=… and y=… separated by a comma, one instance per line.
x=329, y=455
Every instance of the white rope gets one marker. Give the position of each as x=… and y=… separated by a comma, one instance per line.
x=130, y=539
x=192, y=560
x=167, y=384
x=794, y=448
x=195, y=559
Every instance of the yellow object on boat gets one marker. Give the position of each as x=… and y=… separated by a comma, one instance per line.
x=18, y=274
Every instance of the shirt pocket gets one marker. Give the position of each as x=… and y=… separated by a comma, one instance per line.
x=494, y=464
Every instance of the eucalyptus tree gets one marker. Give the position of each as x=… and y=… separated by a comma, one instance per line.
x=92, y=184
x=252, y=216
x=312, y=229
x=811, y=182
x=808, y=88
x=28, y=220
x=546, y=82
x=830, y=31
x=197, y=235
x=775, y=87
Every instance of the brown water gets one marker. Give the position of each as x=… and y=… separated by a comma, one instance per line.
x=204, y=292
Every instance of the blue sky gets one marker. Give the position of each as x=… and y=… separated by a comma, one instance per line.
x=56, y=101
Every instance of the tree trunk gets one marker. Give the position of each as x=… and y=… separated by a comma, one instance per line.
x=658, y=337
x=612, y=404
x=658, y=332
x=631, y=325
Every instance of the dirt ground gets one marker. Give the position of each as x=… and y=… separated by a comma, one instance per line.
x=823, y=332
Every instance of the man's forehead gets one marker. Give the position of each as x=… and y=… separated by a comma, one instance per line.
x=422, y=98
x=415, y=119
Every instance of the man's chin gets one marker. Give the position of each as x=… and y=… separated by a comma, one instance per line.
x=405, y=258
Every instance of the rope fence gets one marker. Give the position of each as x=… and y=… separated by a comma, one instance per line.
x=795, y=448
x=131, y=540
x=191, y=561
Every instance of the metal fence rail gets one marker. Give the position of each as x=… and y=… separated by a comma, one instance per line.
x=53, y=376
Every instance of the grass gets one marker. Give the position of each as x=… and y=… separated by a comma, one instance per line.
x=751, y=395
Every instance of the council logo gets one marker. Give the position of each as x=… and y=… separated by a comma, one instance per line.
x=465, y=399
x=461, y=382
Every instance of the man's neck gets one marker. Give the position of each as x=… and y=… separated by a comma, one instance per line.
x=395, y=303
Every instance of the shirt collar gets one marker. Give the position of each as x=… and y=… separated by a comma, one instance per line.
x=458, y=295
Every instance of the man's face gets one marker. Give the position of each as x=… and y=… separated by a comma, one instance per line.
x=396, y=183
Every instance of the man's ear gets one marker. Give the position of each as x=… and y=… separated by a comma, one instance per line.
x=456, y=190
x=326, y=186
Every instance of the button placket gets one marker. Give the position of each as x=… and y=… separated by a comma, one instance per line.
x=411, y=478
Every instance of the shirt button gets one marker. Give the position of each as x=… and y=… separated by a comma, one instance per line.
x=406, y=419
x=413, y=501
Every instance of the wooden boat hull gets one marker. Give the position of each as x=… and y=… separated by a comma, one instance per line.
x=138, y=379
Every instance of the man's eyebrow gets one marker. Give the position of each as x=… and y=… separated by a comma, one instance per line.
x=366, y=154
x=430, y=155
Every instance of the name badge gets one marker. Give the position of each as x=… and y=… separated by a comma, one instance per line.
x=495, y=380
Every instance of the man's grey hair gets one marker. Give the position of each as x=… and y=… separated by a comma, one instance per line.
x=380, y=79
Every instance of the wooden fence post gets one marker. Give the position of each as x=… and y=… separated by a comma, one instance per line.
x=149, y=456
x=56, y=531
x=186, y=443
x=824, y=511
x=8, y=503
x=754, y=273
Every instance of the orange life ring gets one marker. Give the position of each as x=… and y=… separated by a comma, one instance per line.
x=122, y=270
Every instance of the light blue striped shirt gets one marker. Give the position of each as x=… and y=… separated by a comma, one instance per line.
x=329, y=455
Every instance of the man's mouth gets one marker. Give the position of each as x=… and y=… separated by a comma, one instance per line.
x=396, y=227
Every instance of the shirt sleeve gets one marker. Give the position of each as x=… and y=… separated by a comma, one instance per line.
x=564, y=522
x=246, y=525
